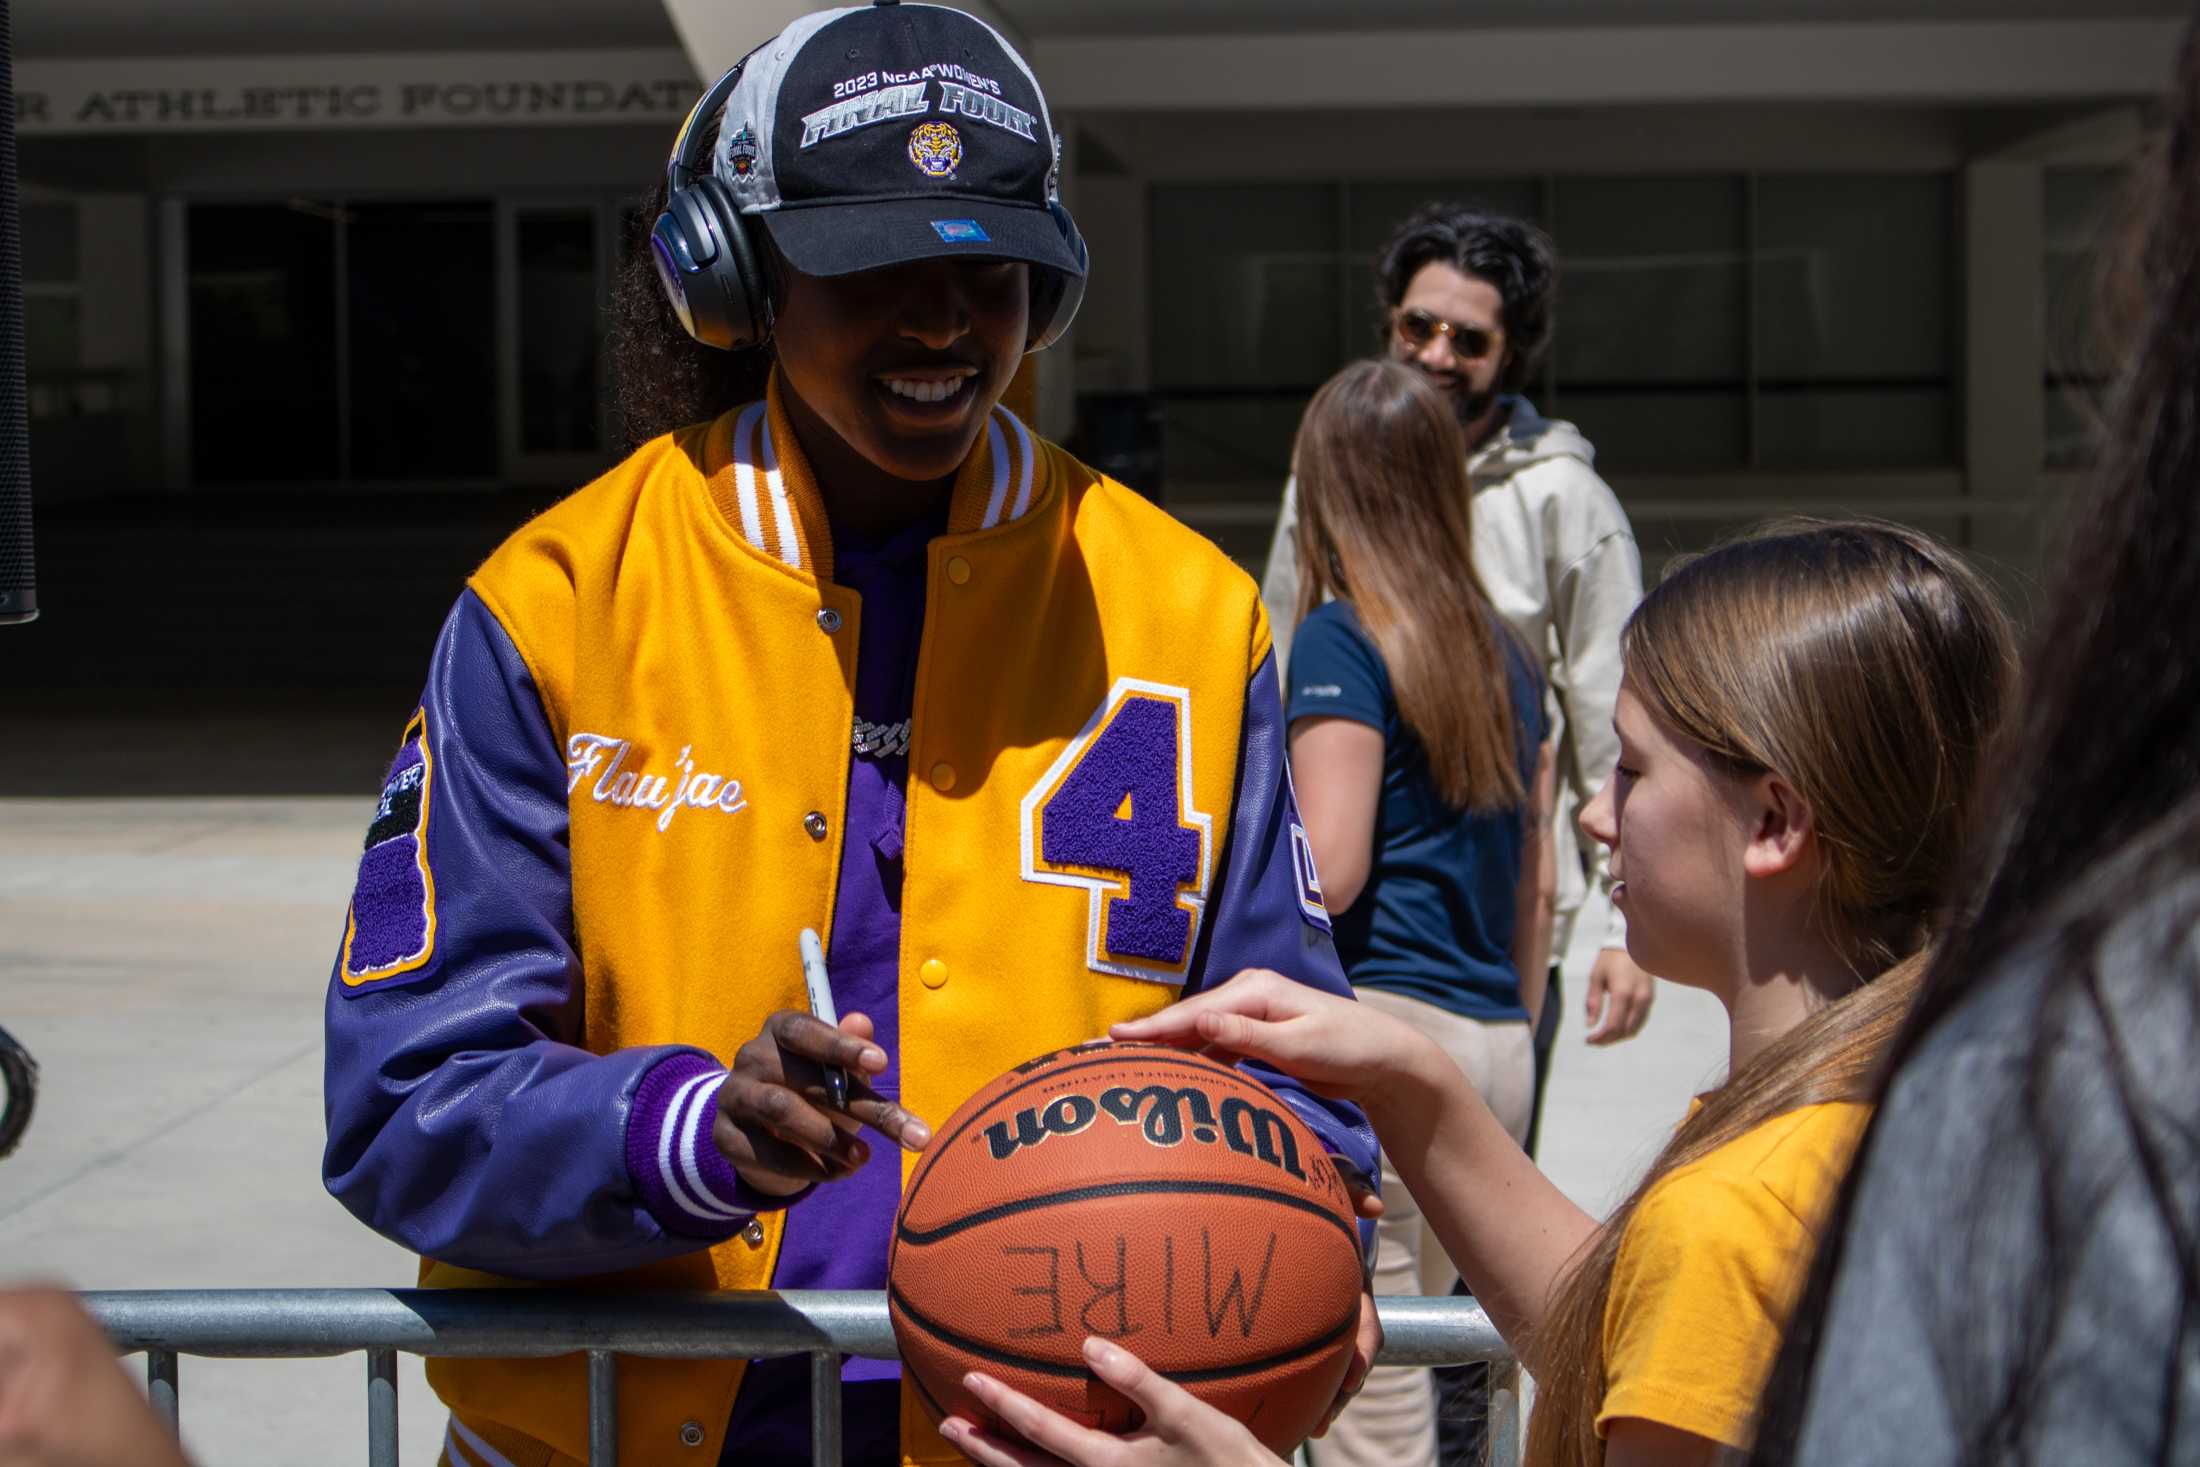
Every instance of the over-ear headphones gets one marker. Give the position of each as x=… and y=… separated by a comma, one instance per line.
x=717, y=273
x=1055, y=294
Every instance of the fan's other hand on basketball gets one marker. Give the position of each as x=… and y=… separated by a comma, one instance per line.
x=1365, y=1346
x=1341, y=1048
x=776, y=1122
x=1179, y=1430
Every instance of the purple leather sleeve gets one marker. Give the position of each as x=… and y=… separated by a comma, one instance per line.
x=1265, y=912
x=464, y=1119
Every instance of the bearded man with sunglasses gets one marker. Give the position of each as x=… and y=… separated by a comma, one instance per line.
x=1468, y=300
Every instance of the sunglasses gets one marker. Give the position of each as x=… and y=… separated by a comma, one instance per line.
x=1417, y=328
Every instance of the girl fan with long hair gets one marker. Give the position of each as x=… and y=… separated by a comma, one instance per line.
x=1804, y=721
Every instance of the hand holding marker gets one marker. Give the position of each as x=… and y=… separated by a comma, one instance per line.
x=821, y=1005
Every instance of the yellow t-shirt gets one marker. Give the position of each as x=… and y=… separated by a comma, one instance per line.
x=1708, y=1270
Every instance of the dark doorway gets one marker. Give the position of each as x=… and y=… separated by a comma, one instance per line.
x=333, y=340
x=421, y=279
x=560, y=321
x=265, y=402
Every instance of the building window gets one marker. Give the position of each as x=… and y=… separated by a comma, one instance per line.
x=2078, y=217
x=53, y=307
x=339, y=340
x=1651, y=345
x=1705, y=323
x=1855, y=336
x=264, y=342
x=559, y=331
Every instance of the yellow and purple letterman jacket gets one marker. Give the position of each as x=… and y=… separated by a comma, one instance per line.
x=621, y=799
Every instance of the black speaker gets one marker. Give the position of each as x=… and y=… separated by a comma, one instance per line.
x=18, y=587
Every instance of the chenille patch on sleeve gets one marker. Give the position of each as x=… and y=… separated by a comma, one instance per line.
x=392, y=925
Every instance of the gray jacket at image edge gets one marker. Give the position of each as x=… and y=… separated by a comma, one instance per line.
x=1947, y=1268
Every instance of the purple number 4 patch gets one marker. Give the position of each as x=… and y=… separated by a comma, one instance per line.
x=1120, y=810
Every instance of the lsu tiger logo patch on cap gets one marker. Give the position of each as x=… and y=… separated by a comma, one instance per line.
x=391, y=928
x=936, y=148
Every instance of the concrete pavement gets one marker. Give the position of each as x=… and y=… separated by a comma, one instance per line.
x=164, y=958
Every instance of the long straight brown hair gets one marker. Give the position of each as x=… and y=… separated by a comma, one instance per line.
x=1383, y=523
x=1869, y=667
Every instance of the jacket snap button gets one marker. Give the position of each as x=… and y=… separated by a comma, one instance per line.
x=828, y=620
x=933, y=974
x=691, y=1433
x=814, y=823
x=958, y=570
x=943, y=777
x=753, y=1234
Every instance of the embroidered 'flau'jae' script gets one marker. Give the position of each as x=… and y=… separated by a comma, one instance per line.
x=586, y=753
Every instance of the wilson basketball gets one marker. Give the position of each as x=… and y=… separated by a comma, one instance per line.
x=1140, y=1193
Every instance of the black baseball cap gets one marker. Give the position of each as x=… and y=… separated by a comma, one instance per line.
x=886, y=133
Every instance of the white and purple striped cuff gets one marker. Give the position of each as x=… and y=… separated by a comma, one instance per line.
x=476, y=1452
x=685, y=1181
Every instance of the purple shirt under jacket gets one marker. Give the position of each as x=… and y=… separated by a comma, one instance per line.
x=837, y=1234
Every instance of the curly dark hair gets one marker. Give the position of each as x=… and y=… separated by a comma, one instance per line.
x=1516, y=258
x=661, y=377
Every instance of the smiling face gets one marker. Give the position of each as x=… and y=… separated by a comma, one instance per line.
x=1678, y=827
x=903, y=364
x=1465, y=301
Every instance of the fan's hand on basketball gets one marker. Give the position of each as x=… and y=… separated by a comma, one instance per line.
x=1366, y=1197
x=777, y=1125
x=1341, y=1048
x=1365, y=1346
x=1179, y=1430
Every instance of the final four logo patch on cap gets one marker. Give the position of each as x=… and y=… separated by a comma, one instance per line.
x=742, y=151
x=936, y=148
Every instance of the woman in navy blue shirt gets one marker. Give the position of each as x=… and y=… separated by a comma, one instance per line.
x=1420, y=748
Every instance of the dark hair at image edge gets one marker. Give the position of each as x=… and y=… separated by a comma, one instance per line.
x=2098, y=804
x=1515, y=258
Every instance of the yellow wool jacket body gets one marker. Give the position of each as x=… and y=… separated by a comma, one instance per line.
x=621, y=800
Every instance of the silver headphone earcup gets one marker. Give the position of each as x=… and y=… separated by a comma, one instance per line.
x=746, y=273
x=1056, y=295
x=711, y=268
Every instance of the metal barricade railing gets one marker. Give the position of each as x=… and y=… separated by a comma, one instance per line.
x=504, y=1323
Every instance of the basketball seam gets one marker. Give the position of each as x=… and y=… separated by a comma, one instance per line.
x=939, y=1412
x=1184, y=1188
x=999, y=1356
